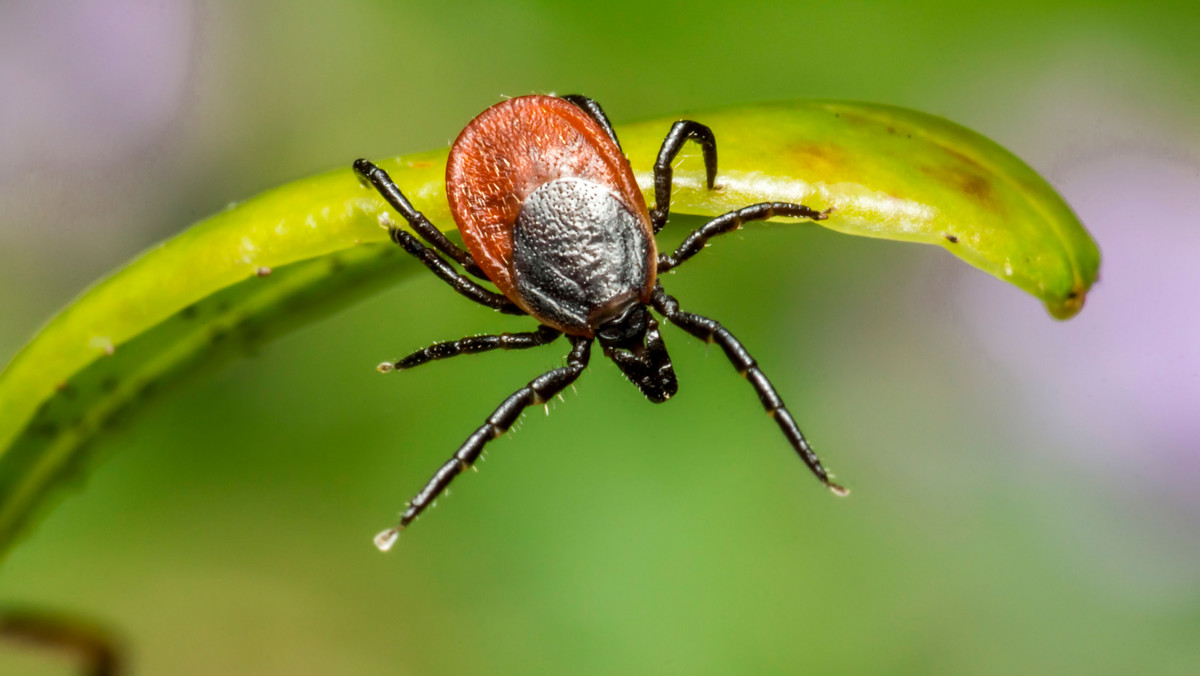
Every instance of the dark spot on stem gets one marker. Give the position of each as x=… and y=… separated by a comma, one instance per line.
x=114, y=419
x=250, y=332
x=967, y=182
x=950, y=238
x=108, y=384
x=964, y=159
x=855, y=118
x=820, y=158
x=976, y=186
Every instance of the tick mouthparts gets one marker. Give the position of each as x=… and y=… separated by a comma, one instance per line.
x=387, y=538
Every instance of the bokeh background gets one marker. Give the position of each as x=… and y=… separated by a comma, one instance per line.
x=1025, y=491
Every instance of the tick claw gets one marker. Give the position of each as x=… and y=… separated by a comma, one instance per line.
x=387, y=538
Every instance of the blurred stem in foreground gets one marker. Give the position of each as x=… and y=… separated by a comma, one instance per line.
x=94, y=647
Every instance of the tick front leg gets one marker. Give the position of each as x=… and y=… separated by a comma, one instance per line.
x=681, y=132
x=473, y=345
x=422, y=226
x=711, y=331
x=539, y=390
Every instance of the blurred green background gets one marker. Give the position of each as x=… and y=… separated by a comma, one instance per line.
x=1024, y=491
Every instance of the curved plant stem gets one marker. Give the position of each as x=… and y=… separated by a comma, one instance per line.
x=310, y=247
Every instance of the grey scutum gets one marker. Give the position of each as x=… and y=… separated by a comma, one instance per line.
x=576, y=248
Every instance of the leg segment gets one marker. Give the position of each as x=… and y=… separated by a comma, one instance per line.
x=538, y=390
x=473, y=345
x=732, y=221
x=711, y=331
x=680, y=133
x=421, y=225
x=592, y=108
x=448, y=274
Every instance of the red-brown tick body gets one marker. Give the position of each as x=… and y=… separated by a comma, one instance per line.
x=551, y=215
x=549, y=208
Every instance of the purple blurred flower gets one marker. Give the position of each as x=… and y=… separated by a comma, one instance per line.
x=1118, y=387
x=85, y=82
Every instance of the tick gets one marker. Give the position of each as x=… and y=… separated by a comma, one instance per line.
x=551, y=215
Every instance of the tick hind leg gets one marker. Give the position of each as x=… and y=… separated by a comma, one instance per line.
x=473, y=345
x=422, y=226
x=539, y=390
x=711, y=331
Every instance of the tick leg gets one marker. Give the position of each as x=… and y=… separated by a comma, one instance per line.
x=681, y=132
x=539, y=390
x=473, y=345
x=592, y=108
x=422, y=226
x=711, y=331
x=448, y=274
x=732, y=221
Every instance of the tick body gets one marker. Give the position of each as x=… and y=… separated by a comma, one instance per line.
x=552, y=216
